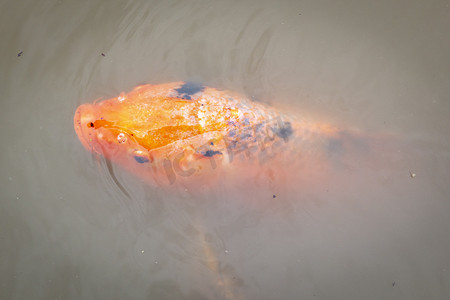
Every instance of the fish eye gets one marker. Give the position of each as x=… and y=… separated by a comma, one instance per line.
x=91, y=124
x=121, y=138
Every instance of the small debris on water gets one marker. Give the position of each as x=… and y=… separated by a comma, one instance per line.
x=274, y=196
x=103, y=54
x=226, y=251
x=142, y=251
x=393, y=284
x=19, y=54
x=412, y=174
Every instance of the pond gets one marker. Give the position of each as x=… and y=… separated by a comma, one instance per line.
x=74, y=225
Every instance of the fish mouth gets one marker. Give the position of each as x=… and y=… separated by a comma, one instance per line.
x=84, y=116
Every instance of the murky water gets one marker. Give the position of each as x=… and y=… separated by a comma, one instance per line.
x=74, y=227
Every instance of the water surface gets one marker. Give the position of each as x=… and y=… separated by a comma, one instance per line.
x=74, y=227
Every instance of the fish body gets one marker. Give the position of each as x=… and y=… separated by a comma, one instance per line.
x=186, y=131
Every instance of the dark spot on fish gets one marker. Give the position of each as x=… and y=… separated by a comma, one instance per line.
x=141, y=159
x=20, y=54
x=245, y=136
x=356, y=141
x=103, y=54
x=231, y=144
x=188, y=89
x=212, y=144
x=334, y=146
x=346, y=141
x=284, y=131
x=259, y=126
x=211, y=153
x=91, y=124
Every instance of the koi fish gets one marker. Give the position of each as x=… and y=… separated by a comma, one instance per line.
x=186, y=131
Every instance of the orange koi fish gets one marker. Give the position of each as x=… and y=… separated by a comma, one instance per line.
x=186, y=131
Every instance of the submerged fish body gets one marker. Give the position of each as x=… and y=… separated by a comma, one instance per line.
x=185, y=131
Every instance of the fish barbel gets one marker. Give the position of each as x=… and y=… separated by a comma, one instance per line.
x=183, y=130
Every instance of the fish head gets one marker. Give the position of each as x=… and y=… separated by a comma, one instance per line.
x=104, y=128
x=153, y=126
